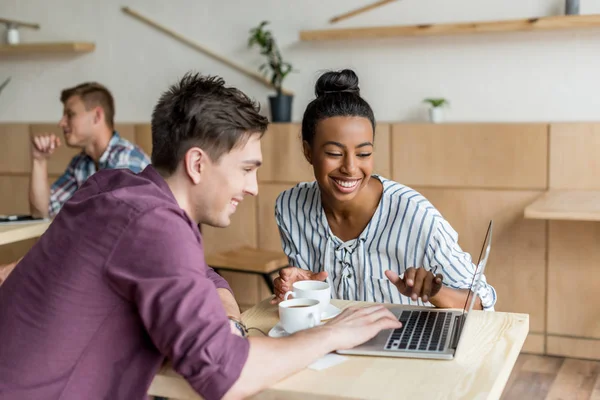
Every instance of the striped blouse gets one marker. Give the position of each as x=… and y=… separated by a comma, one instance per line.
x=405, y=231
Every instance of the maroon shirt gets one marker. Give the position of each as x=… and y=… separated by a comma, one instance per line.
x=116, y=284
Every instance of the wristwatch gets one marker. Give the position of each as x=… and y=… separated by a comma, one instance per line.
x=240, y=326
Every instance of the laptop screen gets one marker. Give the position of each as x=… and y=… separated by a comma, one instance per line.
x=479, y=268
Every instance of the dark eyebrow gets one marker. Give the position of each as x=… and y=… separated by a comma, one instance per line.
x=256, y=163
x=338, y=144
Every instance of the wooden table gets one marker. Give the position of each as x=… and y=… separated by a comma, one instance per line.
x=22, y=231
x=485, y=357
x=574, y=205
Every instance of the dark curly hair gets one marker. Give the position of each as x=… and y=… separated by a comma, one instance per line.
x=338, y=95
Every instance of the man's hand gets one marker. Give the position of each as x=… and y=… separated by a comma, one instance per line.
x=44, y=145
x=417, y=282
x=288, y=276
x=355, y=326
x=270, y=360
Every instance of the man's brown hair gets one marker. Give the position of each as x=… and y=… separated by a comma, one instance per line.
x=93, y=94
x=201, y=111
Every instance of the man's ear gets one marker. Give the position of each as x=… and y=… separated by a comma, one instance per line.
x=307, y=151
x=98, y=115
x=195, y=163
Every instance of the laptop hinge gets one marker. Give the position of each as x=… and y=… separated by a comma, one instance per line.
x=459, y=320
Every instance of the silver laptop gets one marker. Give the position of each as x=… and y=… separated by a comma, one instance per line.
x=427, y=332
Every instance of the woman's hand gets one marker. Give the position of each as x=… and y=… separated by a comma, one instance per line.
x=288, y=276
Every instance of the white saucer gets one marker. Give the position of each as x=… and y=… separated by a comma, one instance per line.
x=278, y=331
x=330, y=312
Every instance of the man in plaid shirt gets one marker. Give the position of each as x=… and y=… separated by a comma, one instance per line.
x=87, y=124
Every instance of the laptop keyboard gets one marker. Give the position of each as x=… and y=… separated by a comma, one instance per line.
x=420, y=331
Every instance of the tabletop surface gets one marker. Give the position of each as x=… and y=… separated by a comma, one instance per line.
x=10, y=233
x=485, y=357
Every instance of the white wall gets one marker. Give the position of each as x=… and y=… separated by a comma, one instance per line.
x=542, y=76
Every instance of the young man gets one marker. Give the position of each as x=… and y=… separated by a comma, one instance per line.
x=114, y=286
x=87, y=124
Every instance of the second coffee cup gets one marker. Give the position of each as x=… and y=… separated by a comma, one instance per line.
x=311, y=290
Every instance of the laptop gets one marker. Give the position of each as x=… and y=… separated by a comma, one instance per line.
x=426, y=332
x=19, y=219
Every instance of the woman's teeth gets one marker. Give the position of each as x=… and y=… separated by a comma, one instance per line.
x=346, y=184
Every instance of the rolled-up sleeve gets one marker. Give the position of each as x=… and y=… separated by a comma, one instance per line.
x=217, y=280
x=155, y=266
x=447, y=258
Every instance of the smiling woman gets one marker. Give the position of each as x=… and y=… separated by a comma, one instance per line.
x=359, y=230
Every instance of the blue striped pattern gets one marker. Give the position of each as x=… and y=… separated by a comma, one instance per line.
x=405, y=231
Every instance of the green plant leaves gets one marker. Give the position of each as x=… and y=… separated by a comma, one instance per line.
x=268, y=47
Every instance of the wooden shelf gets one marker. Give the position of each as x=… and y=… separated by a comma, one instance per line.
x=573, y=205
x=530, y=24
x=47, y=48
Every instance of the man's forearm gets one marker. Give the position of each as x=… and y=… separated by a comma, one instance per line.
x=231, y=307
x=449, y=297
x=271, y=360
x=39, y=189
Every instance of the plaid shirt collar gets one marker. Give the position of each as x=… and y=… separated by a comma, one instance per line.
x=104, y=158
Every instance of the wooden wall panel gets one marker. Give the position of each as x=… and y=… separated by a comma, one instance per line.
x=382, y=152
x=15, y=145
x=241, y=231
x=459, y=168
x=573, y=347
x=268, y=233
x=13, y=251
x=574, y=279
x=574, y=161
x=516, y=267
x=143, y=137
x=283, y=159
x=15, y=194
x=506, y=156
x=63, y=155
x=245, y=287
x=535, y=344
x=126, y=131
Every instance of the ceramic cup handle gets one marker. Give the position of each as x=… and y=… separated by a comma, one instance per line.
x=314, y=320
x=290, y=294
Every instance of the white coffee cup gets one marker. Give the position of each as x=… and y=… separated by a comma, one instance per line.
x=299, y=314
x=311, y=290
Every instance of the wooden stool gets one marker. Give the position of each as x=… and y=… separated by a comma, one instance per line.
x=249, y=260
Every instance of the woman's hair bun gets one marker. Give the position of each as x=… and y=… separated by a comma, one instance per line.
x=337, y=82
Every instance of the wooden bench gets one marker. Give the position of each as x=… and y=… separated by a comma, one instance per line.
x=249, y=260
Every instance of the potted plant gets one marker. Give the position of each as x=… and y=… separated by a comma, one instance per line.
x=572, y=7
x=281, y=104
x=435, y=109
